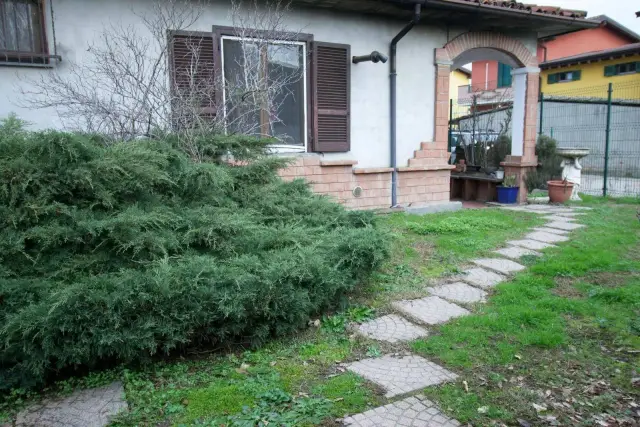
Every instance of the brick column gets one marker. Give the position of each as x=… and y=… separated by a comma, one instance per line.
x=441, y=133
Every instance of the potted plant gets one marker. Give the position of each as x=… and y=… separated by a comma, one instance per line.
x=560, y=191
x=508, y=191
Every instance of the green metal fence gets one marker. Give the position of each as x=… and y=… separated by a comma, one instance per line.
x=604, y=118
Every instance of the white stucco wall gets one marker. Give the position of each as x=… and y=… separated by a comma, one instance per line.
x=77, y=22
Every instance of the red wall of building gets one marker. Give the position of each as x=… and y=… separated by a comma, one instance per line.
x=480, y=79
x=584, y=41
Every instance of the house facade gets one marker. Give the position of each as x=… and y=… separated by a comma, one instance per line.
x=353, y=133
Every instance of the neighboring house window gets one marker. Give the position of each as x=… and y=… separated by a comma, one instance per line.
x=283, y=64
x=564, y=77
x=22, y=32
x=504, y=75
x=622, y=69
x=310, y=112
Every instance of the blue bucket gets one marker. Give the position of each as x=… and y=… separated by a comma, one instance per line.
x=507, y=194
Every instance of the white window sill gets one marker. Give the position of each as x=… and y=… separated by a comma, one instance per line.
x=287, y=149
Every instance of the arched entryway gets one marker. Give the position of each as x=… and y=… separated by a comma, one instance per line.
x=474, y=46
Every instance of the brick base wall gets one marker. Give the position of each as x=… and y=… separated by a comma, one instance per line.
x=337, y=179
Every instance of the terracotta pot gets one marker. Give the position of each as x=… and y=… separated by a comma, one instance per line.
x=559, y=191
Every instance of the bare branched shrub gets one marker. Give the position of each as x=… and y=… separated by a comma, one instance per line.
x=125, y=85
x=487, y=122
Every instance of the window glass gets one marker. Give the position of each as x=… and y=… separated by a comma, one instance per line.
x=265, y=89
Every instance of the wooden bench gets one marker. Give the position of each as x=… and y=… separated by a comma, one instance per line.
x=476, y=186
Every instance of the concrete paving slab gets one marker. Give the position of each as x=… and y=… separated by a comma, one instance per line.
x=500, y=265
x=551, y=230
x=531, y=244
x=400, y=375
x=516, y=252
x=430, y=310
x=546, y=237
x=558, y=217
x=564, y=225
x=412, y=411
x=459, y=292
x=391, y=328
x=85, y=408
x=482, y=278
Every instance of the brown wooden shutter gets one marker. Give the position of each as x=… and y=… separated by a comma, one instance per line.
x=192, y=63
x=331, y=109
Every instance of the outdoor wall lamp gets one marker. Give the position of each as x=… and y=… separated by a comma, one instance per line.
x=374, y=57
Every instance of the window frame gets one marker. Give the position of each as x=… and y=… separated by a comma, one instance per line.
x=616, y=67
x=560, y=73
x=14, y=58
x=631, y=65
x=222, y=32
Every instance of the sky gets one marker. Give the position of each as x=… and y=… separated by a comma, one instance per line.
x=623, y=11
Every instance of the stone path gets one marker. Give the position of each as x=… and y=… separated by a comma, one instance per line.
x=405, y=375
x=84, y=408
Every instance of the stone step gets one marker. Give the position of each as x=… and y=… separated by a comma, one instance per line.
x=430, y=310
x=546, y=237
x=531, y=244
x=459, y=292
x=564, y=225
x=401, y=375
x=516, y=252
x=551, y=230
x=391, y=328
x=412, y=411
x=499, y=265
x=482, y=278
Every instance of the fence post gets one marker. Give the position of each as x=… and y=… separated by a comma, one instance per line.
x=541, y=111
x=450, y=118
x=608, y=137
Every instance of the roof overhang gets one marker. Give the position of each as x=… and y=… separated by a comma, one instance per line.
x=476, y=15
x=601, y=55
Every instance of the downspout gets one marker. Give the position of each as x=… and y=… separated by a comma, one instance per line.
x=392, y=99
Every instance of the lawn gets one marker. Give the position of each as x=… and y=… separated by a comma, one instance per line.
x=563, y=335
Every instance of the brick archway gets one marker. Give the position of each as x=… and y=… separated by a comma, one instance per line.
x=486, y=40
x=529, y=78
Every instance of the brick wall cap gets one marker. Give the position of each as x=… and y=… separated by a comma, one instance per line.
x=329, y=163
x=359, y=171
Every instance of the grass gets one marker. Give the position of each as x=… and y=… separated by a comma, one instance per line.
x=431, y=246
x=562, y=333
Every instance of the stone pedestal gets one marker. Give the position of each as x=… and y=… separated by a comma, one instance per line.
x=571, y=167
x=516, y=165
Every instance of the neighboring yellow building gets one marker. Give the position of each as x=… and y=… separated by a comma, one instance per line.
x=589, y=74
x=459, y=78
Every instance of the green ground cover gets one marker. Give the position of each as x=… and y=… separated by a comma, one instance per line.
x=563, y=335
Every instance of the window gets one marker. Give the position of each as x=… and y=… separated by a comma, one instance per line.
x=564, y=77
x=22, y=32
x=297, y=91
x=622, y=69
x=265, y=88
x=504, y=75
